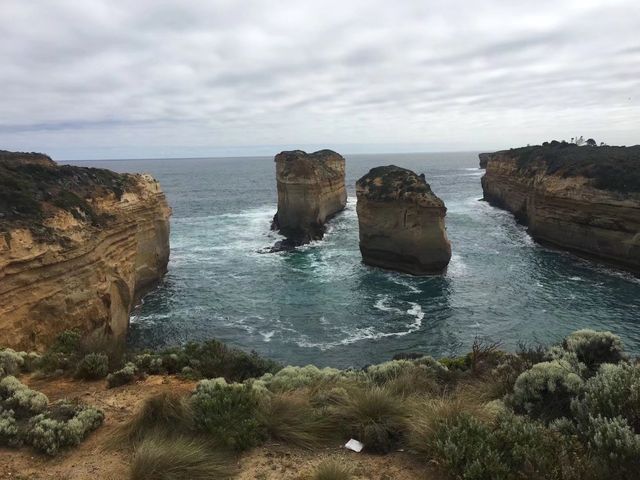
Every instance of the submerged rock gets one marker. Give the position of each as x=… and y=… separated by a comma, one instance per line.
x=401, y=222
x=311, y=190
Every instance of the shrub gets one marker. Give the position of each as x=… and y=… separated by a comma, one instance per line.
x=545, y=391
x=8, y=428
x=67, y=342
x=387, y=371
x=615, y=446
x=10, y=362
x=290, y=418
x=182, y=458
x=149, y=363
x=126, y=374
x=17, y=396
x=331, y=470
x=93, y=366
x=292, y=378
x=594, y=348
x=229, y=412
x=165, y=413
x=614, y=391
x=373, y=416
x=64, y=426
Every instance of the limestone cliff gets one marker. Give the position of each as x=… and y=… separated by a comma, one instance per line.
x=311, y=190
x=78, y=246
x=401, y=222
x=484, y=158
x=583, y=199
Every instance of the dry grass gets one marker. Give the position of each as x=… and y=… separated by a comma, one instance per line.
x=290, y=418
x=166, y=412
x=332, y=470
x=158, y=457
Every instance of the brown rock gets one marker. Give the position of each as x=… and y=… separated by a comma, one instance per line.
x=401, y=222
x=78, y=247
x=582, y=199
x=311, y=190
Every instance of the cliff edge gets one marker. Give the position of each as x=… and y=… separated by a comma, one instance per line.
x=78, y=247
x=583, y=199
x=311, y=189
x=401, y=222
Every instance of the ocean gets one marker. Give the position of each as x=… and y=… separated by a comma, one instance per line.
x=321, y=305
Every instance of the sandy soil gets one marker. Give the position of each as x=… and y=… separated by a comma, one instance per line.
x=92, y=461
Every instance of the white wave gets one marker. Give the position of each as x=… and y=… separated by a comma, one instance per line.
x=457, y=267
x=368, y=333
x=381, y=304
x=266, y=336
x=400, y=281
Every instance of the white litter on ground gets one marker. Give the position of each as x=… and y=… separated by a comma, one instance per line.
x=354, y=445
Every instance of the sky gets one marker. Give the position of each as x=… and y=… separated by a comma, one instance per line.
x=183, y=78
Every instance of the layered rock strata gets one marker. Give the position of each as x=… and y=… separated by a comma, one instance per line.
x=401, y=222
x=78, y=247
x=311, y=189
x=583, y=199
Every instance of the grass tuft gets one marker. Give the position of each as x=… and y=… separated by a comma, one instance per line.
x=159, y=457
x=331, y=470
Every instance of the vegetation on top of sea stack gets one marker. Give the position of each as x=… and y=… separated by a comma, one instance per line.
x=611, y=168
x=33, y=188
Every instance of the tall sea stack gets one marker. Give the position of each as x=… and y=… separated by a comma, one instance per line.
x=401, y=222
x=311, y=190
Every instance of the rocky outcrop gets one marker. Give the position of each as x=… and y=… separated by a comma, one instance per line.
x=582, y=199
x=484, y=158
x=401, y=222
x=311, y=190
x=78, y=247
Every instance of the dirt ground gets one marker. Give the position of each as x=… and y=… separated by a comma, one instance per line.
x=92, y=461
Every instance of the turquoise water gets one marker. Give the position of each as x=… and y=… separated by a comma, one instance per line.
x=322, y=305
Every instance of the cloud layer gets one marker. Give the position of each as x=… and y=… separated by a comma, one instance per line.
x=115, y=78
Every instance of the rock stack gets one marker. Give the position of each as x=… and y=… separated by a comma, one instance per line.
x=401, y=222
x=311, y=190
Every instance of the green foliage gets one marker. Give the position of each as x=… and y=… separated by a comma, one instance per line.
x=10, y=362
x=9, y=429
x=20, y=398
x=65, y=426
x=229, y=412
x=126, y=374
x=93, y=366
x=594, y=348
x=614, y=445
x=67, y=342
x=545, y=391
x=179, y=458
x=613, y=392
x=331, y=470
x=373, y=416
x=292, y=378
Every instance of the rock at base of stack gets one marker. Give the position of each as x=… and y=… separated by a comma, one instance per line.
x=401, y=222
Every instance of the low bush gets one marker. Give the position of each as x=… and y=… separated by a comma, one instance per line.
x=9, y=429
x=20, y=398
x=373, y=416
x=126, y=374
x=93, y=366
x=292, y=378
x=613, y=392
x=10, y=362
x=64, y=426
x=545, y=391
x=229, y=412
x=179, y=458
x=331, y=470
x=594, y=348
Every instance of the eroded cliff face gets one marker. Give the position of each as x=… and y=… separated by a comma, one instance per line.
x=78, y=246
x=585, y=201
x=401, y=222
x=311, y=190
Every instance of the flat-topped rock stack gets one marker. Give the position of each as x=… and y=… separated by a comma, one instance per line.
x=401, y=222
x=311, y=190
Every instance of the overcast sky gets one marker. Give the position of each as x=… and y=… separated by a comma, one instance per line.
x=161, y=78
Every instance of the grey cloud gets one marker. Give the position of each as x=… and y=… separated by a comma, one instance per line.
x=157, y=75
